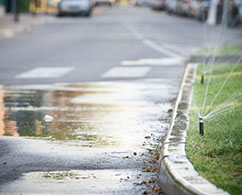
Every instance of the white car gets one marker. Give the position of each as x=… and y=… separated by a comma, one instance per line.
x=75, y=7
x=157, y=4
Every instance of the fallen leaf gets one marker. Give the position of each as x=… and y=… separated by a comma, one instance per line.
x=152, y=180
x=156, y=189
x=146, y=169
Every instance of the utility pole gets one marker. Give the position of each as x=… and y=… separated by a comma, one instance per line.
x=16, y=10
x=212, y=13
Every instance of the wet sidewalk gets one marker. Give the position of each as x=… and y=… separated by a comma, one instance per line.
x=8, y=28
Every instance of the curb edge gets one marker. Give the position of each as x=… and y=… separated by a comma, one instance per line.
x=176, y=174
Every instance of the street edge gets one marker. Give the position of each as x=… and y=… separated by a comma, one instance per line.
x=176, y=173
x=8, y=33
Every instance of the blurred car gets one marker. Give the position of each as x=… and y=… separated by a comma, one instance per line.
x=194, y=8
x=158, y=4
x=142, y=3
x=171, y=6
x=203, y=10
x=235, y=12
x=104, y=2
x=75, y=7
x=183, y=7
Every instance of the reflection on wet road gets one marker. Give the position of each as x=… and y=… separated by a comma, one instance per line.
x=82, y=127
x=95, y=114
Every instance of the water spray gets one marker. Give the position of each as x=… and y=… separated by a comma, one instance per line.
x=201, y=126
x=202, y=78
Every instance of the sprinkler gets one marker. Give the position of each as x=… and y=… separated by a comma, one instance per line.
x=201, y=126
x=202, y=78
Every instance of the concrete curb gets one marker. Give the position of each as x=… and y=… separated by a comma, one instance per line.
x=176, y=174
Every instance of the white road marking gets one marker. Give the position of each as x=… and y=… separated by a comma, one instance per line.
x=160, y=49
x=124, y=72
x=45, y=72
x=155, y=62
x=169, y=51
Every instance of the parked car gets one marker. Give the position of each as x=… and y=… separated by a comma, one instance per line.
x=195, y=6
x=158, y=4
x=235, y=12
x=234, y=7
x=171, y=6
x=142, y=3
x=203, y=10
x=183, y=7
x=75, y=7
x=104, y=2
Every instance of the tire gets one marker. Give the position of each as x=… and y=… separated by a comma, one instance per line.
x=88, y=14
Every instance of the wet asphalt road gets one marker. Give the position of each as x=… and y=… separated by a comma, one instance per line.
x=101, y=133
x=83, y=101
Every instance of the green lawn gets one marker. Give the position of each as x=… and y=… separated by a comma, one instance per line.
x=222, y=50
x=217, y=155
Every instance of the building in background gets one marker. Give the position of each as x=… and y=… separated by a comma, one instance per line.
x=38, y=6
x=43, y=6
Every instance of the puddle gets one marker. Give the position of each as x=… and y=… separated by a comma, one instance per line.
x=94, y=114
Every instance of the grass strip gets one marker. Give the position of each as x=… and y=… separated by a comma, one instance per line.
x=222, y=50
x=217, y=155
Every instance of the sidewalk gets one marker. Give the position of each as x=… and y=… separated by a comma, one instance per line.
x=8, y=28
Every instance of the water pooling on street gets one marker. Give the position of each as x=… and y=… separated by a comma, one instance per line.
x=82, y=135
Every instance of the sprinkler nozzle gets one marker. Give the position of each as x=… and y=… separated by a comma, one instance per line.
x=202, y=78
x=201, y=131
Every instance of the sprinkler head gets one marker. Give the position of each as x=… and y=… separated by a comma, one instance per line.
x=201, y=131
x=202, y=78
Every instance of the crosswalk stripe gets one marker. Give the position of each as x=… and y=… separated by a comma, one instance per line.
x=126, y=72
x=154, y=62
x=44, y=72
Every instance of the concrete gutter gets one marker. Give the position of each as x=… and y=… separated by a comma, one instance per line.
x=176, y=174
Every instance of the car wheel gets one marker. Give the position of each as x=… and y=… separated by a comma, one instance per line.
x=88, y=14
x=59, y=14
